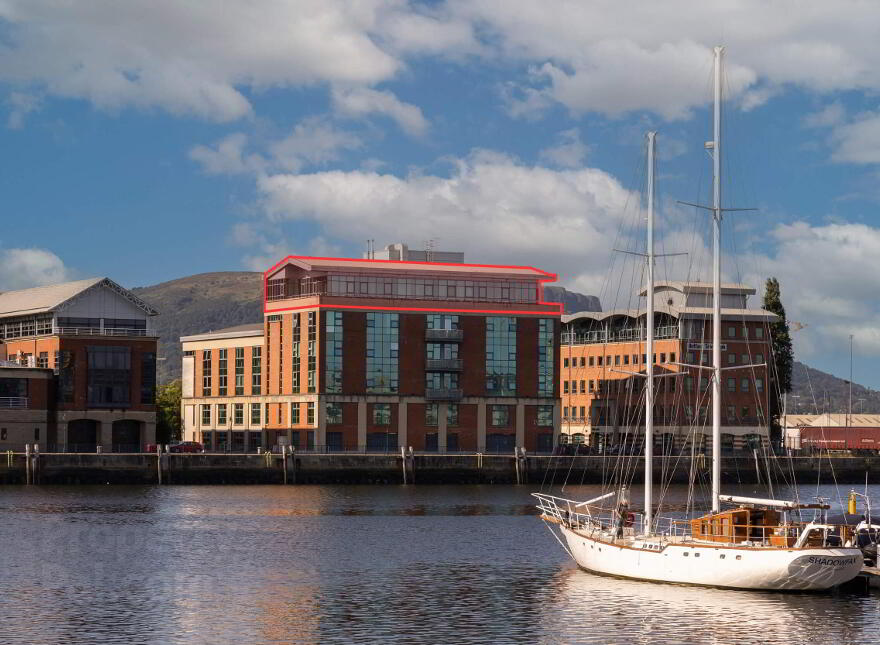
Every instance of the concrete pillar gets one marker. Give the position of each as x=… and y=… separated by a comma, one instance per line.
x=557, y=422
x=290, y=436
x=247, y=438
x=264, y=438
x=520, y=425
x=441, y=427
x=481, y=427
x=105, y=435
x=321, y=430
x=61, y=436
x=401, y=425
x=362, y=425
x=148, y=430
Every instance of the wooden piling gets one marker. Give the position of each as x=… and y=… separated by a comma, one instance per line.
x=27, y=465
x=159, y=463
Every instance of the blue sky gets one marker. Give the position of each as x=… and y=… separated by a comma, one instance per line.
x=151, y=140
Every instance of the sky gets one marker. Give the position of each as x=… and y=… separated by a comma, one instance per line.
x=153, y=139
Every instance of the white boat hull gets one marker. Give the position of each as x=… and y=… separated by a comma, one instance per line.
x=695, y=563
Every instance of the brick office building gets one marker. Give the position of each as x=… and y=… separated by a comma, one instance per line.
x=603, y=405
x=376, y=354
x=96, y=339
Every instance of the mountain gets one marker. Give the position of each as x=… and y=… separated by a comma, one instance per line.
x=814, y=391
x=200, y=303
x=209, y=301
x=572, y=301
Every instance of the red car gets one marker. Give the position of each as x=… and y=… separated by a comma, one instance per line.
x=186, y=446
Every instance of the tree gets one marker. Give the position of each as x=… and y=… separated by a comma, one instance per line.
x=783, y=355
x=168, y=412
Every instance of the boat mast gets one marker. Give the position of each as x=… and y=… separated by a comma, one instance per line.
x=649, y=347
x=716, y=289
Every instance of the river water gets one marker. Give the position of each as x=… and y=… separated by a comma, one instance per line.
x=384, y=564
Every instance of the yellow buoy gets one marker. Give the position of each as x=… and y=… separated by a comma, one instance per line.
x=851, y=508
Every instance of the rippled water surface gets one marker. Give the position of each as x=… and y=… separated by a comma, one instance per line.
x=467, y=564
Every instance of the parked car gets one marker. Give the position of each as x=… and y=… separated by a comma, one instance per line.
x=186, y=446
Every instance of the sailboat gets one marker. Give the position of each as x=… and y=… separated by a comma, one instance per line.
x=753, y=543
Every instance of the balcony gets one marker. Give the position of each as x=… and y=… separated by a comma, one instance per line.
x=443, y=364
x=446, y=394
x=14, y=403
x=444, y=335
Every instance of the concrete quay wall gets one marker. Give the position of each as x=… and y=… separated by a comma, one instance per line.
x=312, y=468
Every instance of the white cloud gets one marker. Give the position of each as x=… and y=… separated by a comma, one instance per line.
x=312, y=142
x=23, y=268
x=831, y=115
x=834, y=298
x=195, y=58
x=20, y=105
x=491, y=206
x=857, y=141
x=569, y=151
x=362, y=101
x=614, y=57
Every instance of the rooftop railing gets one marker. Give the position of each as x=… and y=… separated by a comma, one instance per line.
x=107, y=331
x=626, y=334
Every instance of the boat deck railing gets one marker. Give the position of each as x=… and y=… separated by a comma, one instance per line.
x=595, y=520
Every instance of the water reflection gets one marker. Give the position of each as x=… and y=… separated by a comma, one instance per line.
x=305, y=564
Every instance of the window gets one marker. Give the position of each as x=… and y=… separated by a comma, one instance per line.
x=501, y=355
x=238, y=413
x=441, y=321
x=334, y=413
x=626, y=359
x=690, y=358
x=745, y=331
x=617, y=359
x=759, y=385
x=43, y=359
x=544, y=415
x=745, y=359
x=731, y=359
x=206, y=414
x=148, y=378
x=333, y=352
x=759, y=332
x=546, y=352
x=759, y=358
x=294, y=414
x=382, y=352
x=222, y=371
x=206, y=372
x=452, y=414
x=565, y=413
x=564, y=362
x=565, y=387
x=266, y=413
x=255, y=414
x=109, y=376
x=239, y=371
x=592, y=361
x=583, y=389
x=382, y=414
x=662, y=357
x=731, y=384
x=731, y=413
x=431, y=414
x=256, y=370
x=731, y=332
x=599, y=361
x=312, y=358
x=500, y=416
x=704, y=383
x=310, y=414
x=745, y=412
x=744, y=385
x=688, y=384
x=221, y=414
x=591, y=385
